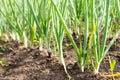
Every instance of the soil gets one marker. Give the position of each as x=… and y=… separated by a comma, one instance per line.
x=32, y=64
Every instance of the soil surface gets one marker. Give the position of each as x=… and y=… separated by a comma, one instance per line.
x=31, y=64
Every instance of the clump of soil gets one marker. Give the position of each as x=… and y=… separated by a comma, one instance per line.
x=32, y=64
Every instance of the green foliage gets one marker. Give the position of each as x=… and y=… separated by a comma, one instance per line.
x=2, y=63
x=2, y=49
x=47, y=22
x=112, y=64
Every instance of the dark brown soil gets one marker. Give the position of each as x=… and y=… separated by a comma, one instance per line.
x=31, y=64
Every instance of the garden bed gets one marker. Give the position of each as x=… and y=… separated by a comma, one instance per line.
x=80, y=34
x=31, y=64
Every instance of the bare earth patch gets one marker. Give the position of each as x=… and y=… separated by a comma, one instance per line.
x=31, y=64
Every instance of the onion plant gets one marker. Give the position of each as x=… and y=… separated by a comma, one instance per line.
x=78, y=7
x=40, y=33
x=59, y=33
x=82, y=52
x=27, y=20
x=100, y=49
x=20, y=29
x=117, y=8
x=3, y=30
x=4, y=12
x=42, y=20
x=18, y=32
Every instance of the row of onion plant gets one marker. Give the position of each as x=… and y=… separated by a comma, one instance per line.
x=97, y=20
x=43, y=21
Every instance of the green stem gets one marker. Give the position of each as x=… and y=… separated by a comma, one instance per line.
x=96, y=70
x=40, y=44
